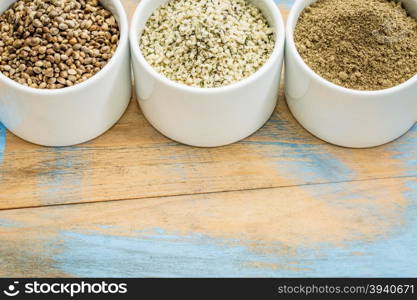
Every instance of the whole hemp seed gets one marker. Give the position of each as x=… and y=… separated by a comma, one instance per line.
x=207, y=43
x=363, y=45
x=51, y=44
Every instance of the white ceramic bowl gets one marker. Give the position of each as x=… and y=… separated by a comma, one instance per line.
x=342, y=116
x=207, y=117
x=74, y=114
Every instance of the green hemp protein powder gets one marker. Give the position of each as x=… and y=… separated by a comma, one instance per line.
x=207, y=43
x=362, y=45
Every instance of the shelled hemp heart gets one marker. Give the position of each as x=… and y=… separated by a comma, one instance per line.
x=363, y=45
x=51, y=44
x=207, y=43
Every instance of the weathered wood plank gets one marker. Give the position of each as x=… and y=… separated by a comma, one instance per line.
x=363, y=228
x=133, y=160
x=2, y=141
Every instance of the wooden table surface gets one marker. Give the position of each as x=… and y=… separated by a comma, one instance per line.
x=280, y=203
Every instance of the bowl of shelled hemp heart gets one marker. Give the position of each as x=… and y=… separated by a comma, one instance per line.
x=65, y=74
x=207, y=72
x=351, y=69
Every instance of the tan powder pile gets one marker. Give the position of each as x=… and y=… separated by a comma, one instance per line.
x=207, y=43
x=363, y=45
x=51, y=44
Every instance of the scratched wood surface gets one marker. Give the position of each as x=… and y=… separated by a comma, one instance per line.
x=279, y=203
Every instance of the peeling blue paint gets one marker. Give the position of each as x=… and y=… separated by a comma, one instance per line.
x=393, y=255
x=284, y=131
x=297, y=157
x=306, y=161
x=161, y=254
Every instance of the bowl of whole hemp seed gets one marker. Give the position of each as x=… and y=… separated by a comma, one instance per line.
x=207, y=72
x=64, y=68
x=351, y=69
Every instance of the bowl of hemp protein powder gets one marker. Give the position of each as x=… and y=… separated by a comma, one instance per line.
x=64, y=68
x=351, y=69
x=207, y=72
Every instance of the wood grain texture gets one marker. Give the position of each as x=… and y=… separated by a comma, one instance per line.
x=342, y=229
x=134, y=161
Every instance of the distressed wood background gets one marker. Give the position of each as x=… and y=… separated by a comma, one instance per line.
x=280, y=203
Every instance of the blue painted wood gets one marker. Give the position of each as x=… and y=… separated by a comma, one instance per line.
x=5, y=223
x=303, y=160
x=111, y=239
x=80, y=251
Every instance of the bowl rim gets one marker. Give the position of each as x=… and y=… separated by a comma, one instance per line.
x=292, y=20
x=117, y=56
x=277, y=53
